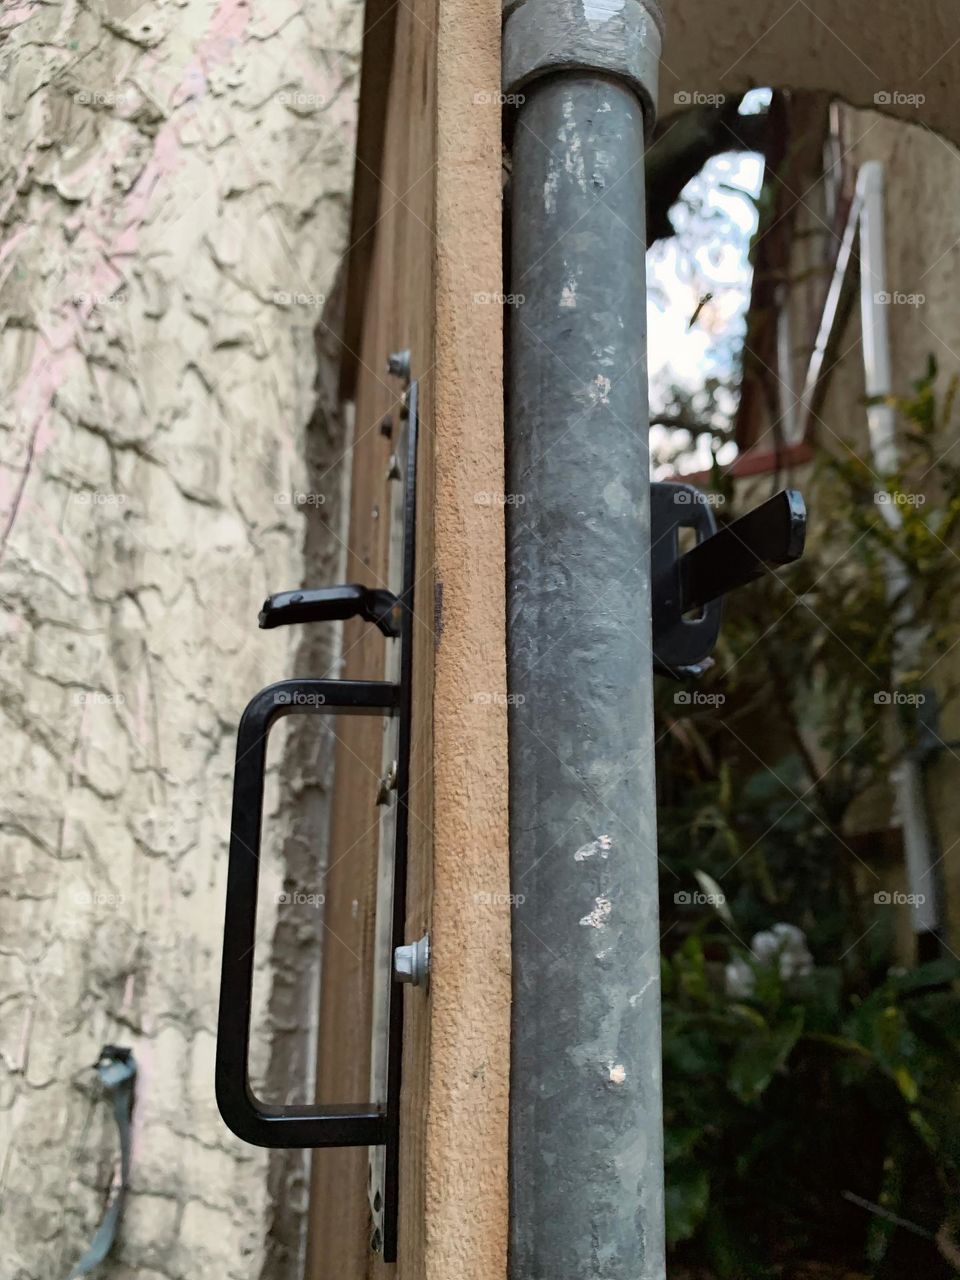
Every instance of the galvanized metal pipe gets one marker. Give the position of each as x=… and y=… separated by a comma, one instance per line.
x=586, y=1157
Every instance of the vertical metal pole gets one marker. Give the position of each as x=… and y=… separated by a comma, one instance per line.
x=586, y=1153
x=919, y=840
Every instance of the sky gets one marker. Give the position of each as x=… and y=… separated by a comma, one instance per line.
x=715, y=220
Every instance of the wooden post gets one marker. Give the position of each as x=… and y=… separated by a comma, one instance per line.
x=425, y=274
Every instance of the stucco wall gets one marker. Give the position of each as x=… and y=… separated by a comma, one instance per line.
x=922, y=176
x=160, y=199
x=857, y=49
x=174, y=196
x=922, y=180
x=922, y=242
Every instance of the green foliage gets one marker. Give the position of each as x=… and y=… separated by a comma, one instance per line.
x=812, y=1097
x=781, y=1107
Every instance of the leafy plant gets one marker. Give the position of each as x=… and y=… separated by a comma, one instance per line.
x=812, y=1084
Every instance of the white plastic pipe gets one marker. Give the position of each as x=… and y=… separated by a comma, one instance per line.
x=881, y=420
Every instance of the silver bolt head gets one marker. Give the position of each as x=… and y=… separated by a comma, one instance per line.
x=387, y=784
x=411, y=962
x=398, y=364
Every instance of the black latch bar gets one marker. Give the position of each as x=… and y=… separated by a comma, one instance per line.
x=771, y=534
x=688, y=588
x=333, y=604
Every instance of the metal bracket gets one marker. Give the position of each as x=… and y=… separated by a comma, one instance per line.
x=333, y=604
x=722, y=560
x=321, y=1124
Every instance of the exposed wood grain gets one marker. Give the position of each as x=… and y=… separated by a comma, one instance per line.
x=432, y=249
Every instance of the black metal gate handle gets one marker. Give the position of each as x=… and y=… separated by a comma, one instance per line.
x=299, y=1125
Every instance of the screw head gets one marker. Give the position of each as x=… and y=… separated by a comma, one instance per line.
x=387, y=784
x=411, y=963
x=398, y=364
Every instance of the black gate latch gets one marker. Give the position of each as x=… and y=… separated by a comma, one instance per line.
x=682, y=641
x=333, y=604
x=687, y=589
x=373, y=1124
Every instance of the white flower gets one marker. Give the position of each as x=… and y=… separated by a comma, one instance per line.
x=740, y=979
x=783, y=947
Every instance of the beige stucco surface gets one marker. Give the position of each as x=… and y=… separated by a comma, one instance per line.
x=857, y=50
x=922, y=241
x=174, y=190
x=466, y=1138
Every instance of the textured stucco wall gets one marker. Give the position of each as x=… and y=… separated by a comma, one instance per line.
x=171, y=174
x=174, y=187
x=857, y=49
x=922, y=243
x=922, y=184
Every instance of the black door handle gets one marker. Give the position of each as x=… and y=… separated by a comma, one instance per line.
x=301, y=1125
x=323, y=1124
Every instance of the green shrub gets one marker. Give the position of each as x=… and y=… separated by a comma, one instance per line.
x=812, y=1095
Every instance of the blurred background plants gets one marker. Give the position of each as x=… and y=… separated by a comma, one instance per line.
x=812, y=1072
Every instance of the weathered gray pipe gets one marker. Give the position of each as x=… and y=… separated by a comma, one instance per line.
x=586, y=1155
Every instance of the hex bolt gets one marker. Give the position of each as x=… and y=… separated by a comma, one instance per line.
x=387, y=784
x=399, y=364
x=411, y=963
